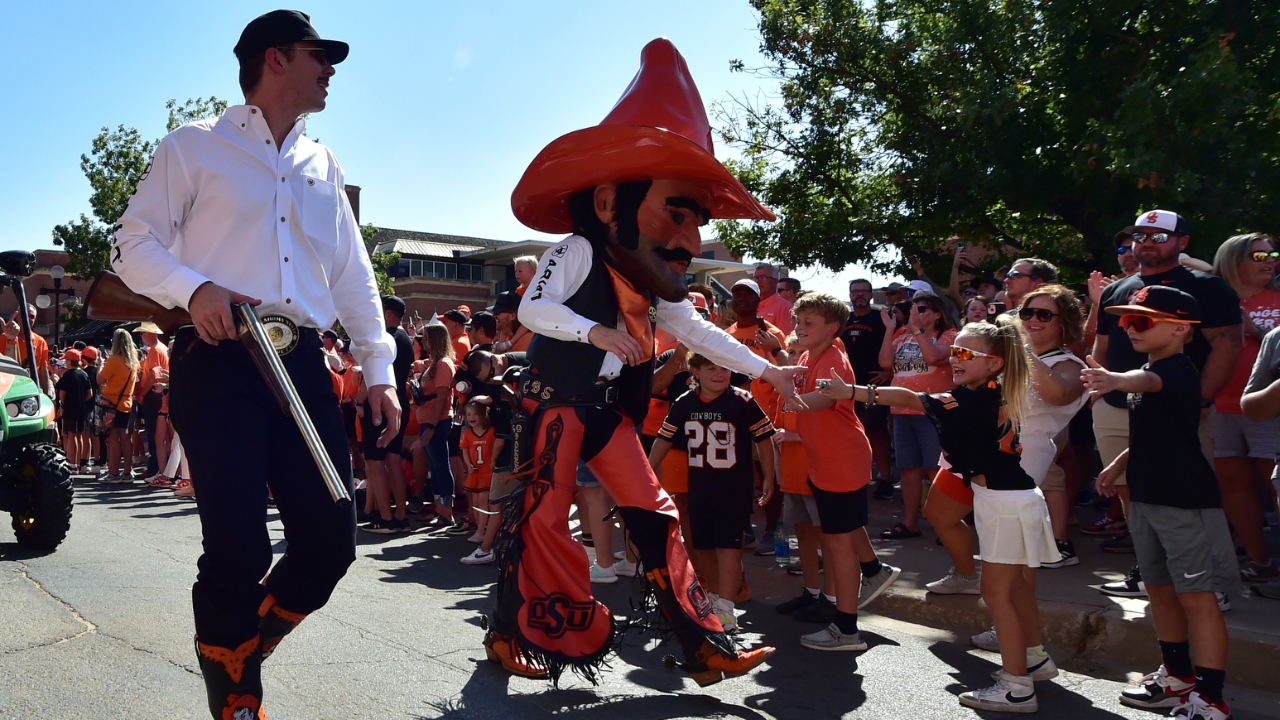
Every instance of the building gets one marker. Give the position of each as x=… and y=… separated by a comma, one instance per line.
x=439, y=272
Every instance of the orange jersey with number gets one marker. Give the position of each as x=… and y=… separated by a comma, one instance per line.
x=479, y=453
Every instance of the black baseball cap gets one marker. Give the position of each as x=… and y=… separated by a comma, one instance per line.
x=484, y=320
x=1160, y=301
x=393, y=303
x=506, y=302
x=456, y=316
x=280, y=28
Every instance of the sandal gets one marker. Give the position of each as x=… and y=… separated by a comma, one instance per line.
x=899, y=532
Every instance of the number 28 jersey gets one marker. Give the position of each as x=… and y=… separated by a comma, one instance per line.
x=717, y=435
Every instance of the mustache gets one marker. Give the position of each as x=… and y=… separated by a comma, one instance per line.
x=674, y=255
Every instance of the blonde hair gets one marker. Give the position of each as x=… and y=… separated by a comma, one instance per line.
x=1003, y=338
x=122, y=347
x=435, y=340
x=529, y=260
x=1234, y=252
x=825, y=305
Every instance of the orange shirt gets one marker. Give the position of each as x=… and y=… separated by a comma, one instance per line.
x=762, y=391
x=910, y=370
x=461, y=346
x=522, y=343
x=351, y=380
x=777, y=311
x=1263, y=309
x=116, y=382
x=39, y=343
x=658, y=407
x=440, y=383
x=835, y=444
x=795, y=464
x=479, y=453
x=157, y=357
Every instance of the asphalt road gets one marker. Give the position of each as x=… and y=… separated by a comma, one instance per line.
x=102, y=629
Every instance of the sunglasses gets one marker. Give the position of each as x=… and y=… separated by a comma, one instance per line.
x=1038, y=313
x=964, y=353
x=1263, y=256
x=1123, y=250
x=1143, y=323
x=923, y=308
x=1157, y=238
x=1014, y=274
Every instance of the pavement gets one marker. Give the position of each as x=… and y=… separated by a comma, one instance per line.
x=101, y=628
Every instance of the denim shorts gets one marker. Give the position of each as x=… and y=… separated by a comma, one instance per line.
x=585, y=477
x=915, y=442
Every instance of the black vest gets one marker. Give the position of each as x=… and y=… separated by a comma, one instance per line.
x=573, y=367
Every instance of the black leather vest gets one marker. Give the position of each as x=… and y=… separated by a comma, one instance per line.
x=573, y=367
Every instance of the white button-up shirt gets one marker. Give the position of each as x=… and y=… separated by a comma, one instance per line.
x=220, y=202
x=562, y=271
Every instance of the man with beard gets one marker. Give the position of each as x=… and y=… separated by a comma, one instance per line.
x=1159, y=237
x=634, y=191
x=862, y=337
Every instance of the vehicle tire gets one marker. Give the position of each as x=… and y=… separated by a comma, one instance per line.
x=44, y=471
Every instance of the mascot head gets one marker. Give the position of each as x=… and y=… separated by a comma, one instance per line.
x=642, y=183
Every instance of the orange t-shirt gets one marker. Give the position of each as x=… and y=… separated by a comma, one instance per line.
x=351, y=380
x=658, y=407
x=461, y=346
x=441, y=382
x=479, y=453
x=1263, y=309
x=522, y=343
x=910, y=370
x=157, y=357
x=762, y=391
x=39, y=343
x=777, y=311
x=795, y=464
x=835, y=444
x=116, y=382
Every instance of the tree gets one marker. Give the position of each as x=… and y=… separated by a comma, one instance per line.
x=383, y=263
x=117, y=160
x=1043, y=126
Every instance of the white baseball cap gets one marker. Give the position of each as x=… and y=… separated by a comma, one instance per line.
x=920, y=286
x=1156, y=220
x=747, y=283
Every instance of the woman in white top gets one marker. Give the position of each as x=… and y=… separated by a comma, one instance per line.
x=1053, y=321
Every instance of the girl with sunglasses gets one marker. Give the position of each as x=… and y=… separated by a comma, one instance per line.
x=978, y=424
x=1244, y=450
x=918, y=356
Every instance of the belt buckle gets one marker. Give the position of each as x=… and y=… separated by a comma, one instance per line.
x=611, y=394
x=282, y=332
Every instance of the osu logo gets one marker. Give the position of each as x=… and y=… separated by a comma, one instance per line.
x=1139, y=296
x=699, y=600
x=555, y=614
x=1152, y=217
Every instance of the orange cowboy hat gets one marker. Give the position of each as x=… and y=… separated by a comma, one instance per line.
x=658, y=129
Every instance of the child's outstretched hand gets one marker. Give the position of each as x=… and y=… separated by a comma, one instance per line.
x=836, y=388
x=1098, y=379
x=1106, y=484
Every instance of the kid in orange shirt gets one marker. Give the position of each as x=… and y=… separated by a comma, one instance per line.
x=479, y=447
x=839, y=460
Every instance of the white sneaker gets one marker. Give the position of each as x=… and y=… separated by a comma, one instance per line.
x=477, y=538
x=626, y=569
x=1197, y=708
x=1011, y=693
x=478, y=557
x=1039, y=665
x=876, y=584
x=605, y=575
x=728, y=618
x=955, y=584
x=986, y=641
x=830, y=638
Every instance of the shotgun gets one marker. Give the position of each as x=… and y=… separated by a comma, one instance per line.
x=110, y=299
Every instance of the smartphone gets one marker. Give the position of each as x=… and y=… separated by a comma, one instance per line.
x=961, y=246
x=995, y=307
x=824, y=384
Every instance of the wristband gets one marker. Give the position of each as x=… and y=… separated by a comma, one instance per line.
x=775, y=351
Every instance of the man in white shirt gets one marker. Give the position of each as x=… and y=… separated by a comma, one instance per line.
x=593, y=305
x=245, y=208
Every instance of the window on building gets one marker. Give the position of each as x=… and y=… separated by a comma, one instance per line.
x=446, y=270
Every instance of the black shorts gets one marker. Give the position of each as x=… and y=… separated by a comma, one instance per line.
x=123, y=420
x=840, y=512
x=370, y=434
x=74, y=424
x=349, y=420
x=455, y=439
x=874, y=418
x=719, y=514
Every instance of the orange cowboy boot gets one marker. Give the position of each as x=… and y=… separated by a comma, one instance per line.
x=233, y=679
x=499, y=649
x=274, y=622
x=712, y=666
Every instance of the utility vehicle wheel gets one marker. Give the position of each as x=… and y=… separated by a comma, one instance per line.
x=43, y=471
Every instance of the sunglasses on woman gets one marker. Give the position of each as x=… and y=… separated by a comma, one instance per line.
x=923, y=308
x=1040, y=314
x=963, y=353
x=1263, y=256
x=1142, y=323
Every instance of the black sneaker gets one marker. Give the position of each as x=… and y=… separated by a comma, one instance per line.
x=1130, y=586
x=401, y=526
x=765, y=545
x=884, y=490
x=379, y=526
x=802, y=601
x=1068, y=553
x=463, y=528
x=822, y=611
x=1119, y=544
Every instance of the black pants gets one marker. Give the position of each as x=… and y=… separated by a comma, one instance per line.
x=238, y=442
x=151, y=403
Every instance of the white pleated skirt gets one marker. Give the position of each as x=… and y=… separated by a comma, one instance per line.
x=1013, y=527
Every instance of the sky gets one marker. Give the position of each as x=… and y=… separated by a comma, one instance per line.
x=435, y=114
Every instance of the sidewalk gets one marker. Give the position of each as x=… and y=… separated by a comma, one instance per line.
x=1089, y=632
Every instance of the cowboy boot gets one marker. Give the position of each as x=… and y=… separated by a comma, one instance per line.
x=233, y=679
x=274, y=622
x=501, y=649
x=712, y=665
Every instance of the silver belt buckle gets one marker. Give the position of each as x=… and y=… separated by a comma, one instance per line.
x=282, y=332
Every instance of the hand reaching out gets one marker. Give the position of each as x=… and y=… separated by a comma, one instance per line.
x=1098, y=379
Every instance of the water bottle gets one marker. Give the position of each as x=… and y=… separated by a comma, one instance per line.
x=781, y=548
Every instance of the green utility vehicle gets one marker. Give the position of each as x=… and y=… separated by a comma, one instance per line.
x=35, y=480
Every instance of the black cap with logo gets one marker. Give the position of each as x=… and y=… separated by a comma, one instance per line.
x=280, y=28
x=1160, y=301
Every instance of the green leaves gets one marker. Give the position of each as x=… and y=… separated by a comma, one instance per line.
x=1044, y=126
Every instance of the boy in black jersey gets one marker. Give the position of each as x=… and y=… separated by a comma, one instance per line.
x=715, y=425
x=1179, y=530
